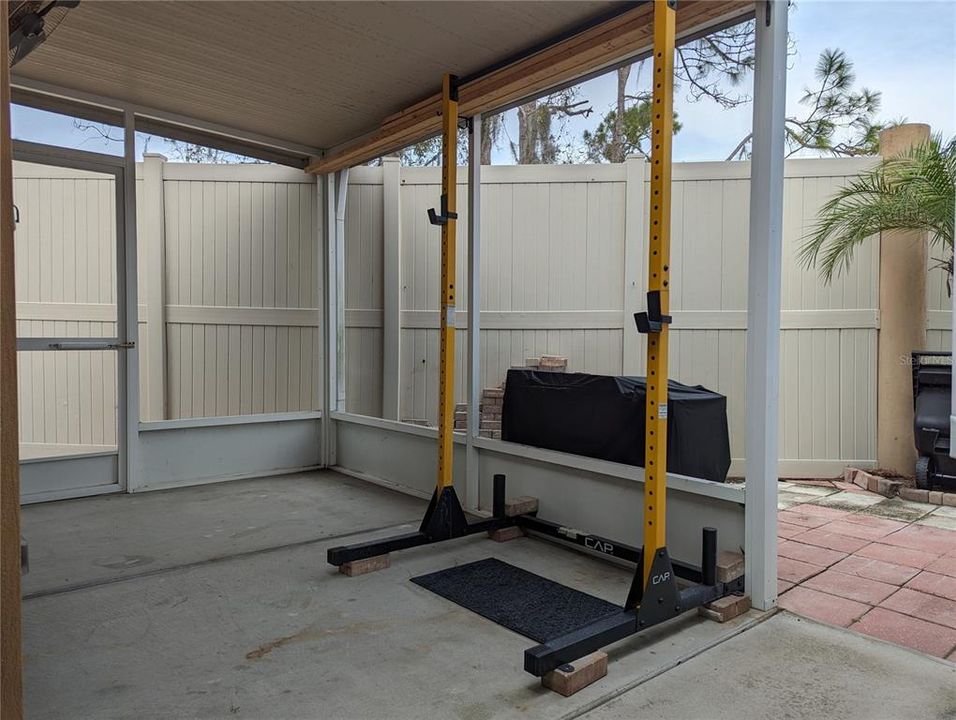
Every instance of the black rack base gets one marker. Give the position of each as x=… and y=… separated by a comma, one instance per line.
x=444, y=520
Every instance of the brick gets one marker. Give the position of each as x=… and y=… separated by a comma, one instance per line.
x=523, y=505
x=484, y=433
x=849, y=474
x=725, y=608
x=496, y=434
x=461, y=407
x=366, y=565
x=949, y=499
x=914, y=494
x=506, y=533
x=872, y=569
x=851, y=587
x=921, y=605
x=532, y=362
x=572, y=677
x=935, y=497
x=872, y=482
x=887, y=487
x=915, y=633
x=823, y=607
x=492, y=393
x=552, y=361
x=730, y=565
x=490, y=424
x=932, y=583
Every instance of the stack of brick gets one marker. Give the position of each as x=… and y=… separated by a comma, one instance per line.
x=492, y=399
x=548, y=363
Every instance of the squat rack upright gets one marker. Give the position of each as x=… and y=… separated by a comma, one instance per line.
x=654, y=595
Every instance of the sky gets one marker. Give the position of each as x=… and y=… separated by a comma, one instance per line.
x=906, y=49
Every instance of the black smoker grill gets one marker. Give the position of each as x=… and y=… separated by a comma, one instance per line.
x=932, y=390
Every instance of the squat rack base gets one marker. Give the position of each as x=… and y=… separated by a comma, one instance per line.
x=660, y=601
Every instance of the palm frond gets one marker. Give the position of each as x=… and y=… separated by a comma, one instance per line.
x=910, y=191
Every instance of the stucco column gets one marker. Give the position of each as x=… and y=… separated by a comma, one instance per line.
x=903, y=258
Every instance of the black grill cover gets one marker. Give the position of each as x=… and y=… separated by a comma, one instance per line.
x=601, y=416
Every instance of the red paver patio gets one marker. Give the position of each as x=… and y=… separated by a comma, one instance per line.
x=821, y=537
x=821, y=606
x=918, y=604
x=875, y=522
x=802, y=519
x=908, y=631
x=858, y=530
x=851, y=587
x=943, y=566
x=889, y=578
x=880, y=570
x=901, y=556
x=923, y=537
x=934, y=584
x=796, y=571
x=823, y=511
x=787, y=530
x=809, y=553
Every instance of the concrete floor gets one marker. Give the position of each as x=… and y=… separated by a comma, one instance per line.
x=216, y=602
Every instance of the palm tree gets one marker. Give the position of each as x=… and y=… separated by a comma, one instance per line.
x=910, y=191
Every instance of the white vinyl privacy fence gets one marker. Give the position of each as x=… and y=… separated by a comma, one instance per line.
x=229, y=285
x=562, y=268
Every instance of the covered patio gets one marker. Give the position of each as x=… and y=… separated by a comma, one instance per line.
x=211, y=597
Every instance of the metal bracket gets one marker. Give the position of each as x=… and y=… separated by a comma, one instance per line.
x=90, y=345
x=653, y=320
x=660, y=599
x=443, y=218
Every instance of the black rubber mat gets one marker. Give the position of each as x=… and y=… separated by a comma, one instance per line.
x=529, y=604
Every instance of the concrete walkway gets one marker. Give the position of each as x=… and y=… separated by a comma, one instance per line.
x=882, y=567
x=216, y=602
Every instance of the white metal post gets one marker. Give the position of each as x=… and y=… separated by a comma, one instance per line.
x=472, y=493
x=153, y=244
x=763, y=302
x=333, y=316
x=391, y=287
x=326, y=190
x=341, y=195
x=127, y=303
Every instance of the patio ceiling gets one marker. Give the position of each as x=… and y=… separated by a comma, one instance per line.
x=321, y=75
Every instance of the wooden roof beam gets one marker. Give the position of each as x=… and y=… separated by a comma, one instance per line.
x=600, y=47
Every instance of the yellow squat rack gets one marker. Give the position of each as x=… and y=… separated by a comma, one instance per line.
x=654, y=596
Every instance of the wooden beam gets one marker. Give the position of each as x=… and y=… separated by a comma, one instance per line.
x=11, y=671
x=599, y=47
